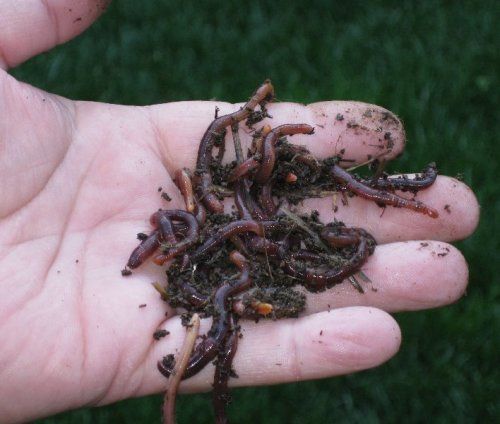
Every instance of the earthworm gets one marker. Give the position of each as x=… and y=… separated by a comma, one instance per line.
x=220, y=393
x=243, y=169
x=241, y=194
x=235, y=227
x=254, y=242
x=258, y=137
x=190, y=294
x=350, y=183
x=145, y=249
x=263, y=245
x=190, y=237
x=343, y=236
x=166, y=230
x=185, y=185
x=183, y=181
x=204, y=187
x=301, y=155
x=311, y=162
x=268, y=148
x=201, y=214
x=247, y=207
x=266, y=199
x=316, y=281
x=306, y=255
x=404, y=183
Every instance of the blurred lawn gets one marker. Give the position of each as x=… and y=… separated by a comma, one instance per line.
x=434, y=63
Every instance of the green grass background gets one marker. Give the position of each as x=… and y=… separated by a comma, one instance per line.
x=434, y=63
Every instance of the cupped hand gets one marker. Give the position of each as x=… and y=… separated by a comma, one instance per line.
x=78, y=180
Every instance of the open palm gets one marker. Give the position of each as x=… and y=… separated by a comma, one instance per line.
x=78, y=180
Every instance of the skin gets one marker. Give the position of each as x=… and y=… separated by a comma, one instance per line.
x=78, y=180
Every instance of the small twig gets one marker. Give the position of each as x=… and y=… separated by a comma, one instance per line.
x=307, y=193
x=237, y=143
x=364, y=277
x=373, y=159
x=316, y=193
x=223, y=191
x=181, y=362
x=160, y=289
x=379, y=171
x=267, y=259
x=355, y=284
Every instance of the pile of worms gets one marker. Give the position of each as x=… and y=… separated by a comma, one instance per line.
x=250, y=263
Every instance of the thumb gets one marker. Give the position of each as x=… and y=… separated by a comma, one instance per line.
x=30, y=27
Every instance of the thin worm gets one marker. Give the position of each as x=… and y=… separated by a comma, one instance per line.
x=241, y=199
x=235, y=227
x=247, y=207
x=311, y=162
x=302, y=155
x=263, y=245
x=166, y=230
x=316, y=281
x=190, y=237
x=183, y=181
x=306, y=255
x=257, y=138
x=343, y=236
x=201, y=214
x=380, y=197
x=404, y=183
x=268, y=148
x=243, y=169
x=220, y=394
x=266, y=199
x=191, y=295
x=145, y=249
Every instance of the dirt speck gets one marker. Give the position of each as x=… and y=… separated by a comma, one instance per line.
x=158, y=334
x=126, y=272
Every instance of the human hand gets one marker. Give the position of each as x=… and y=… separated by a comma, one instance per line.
x=79, y=179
